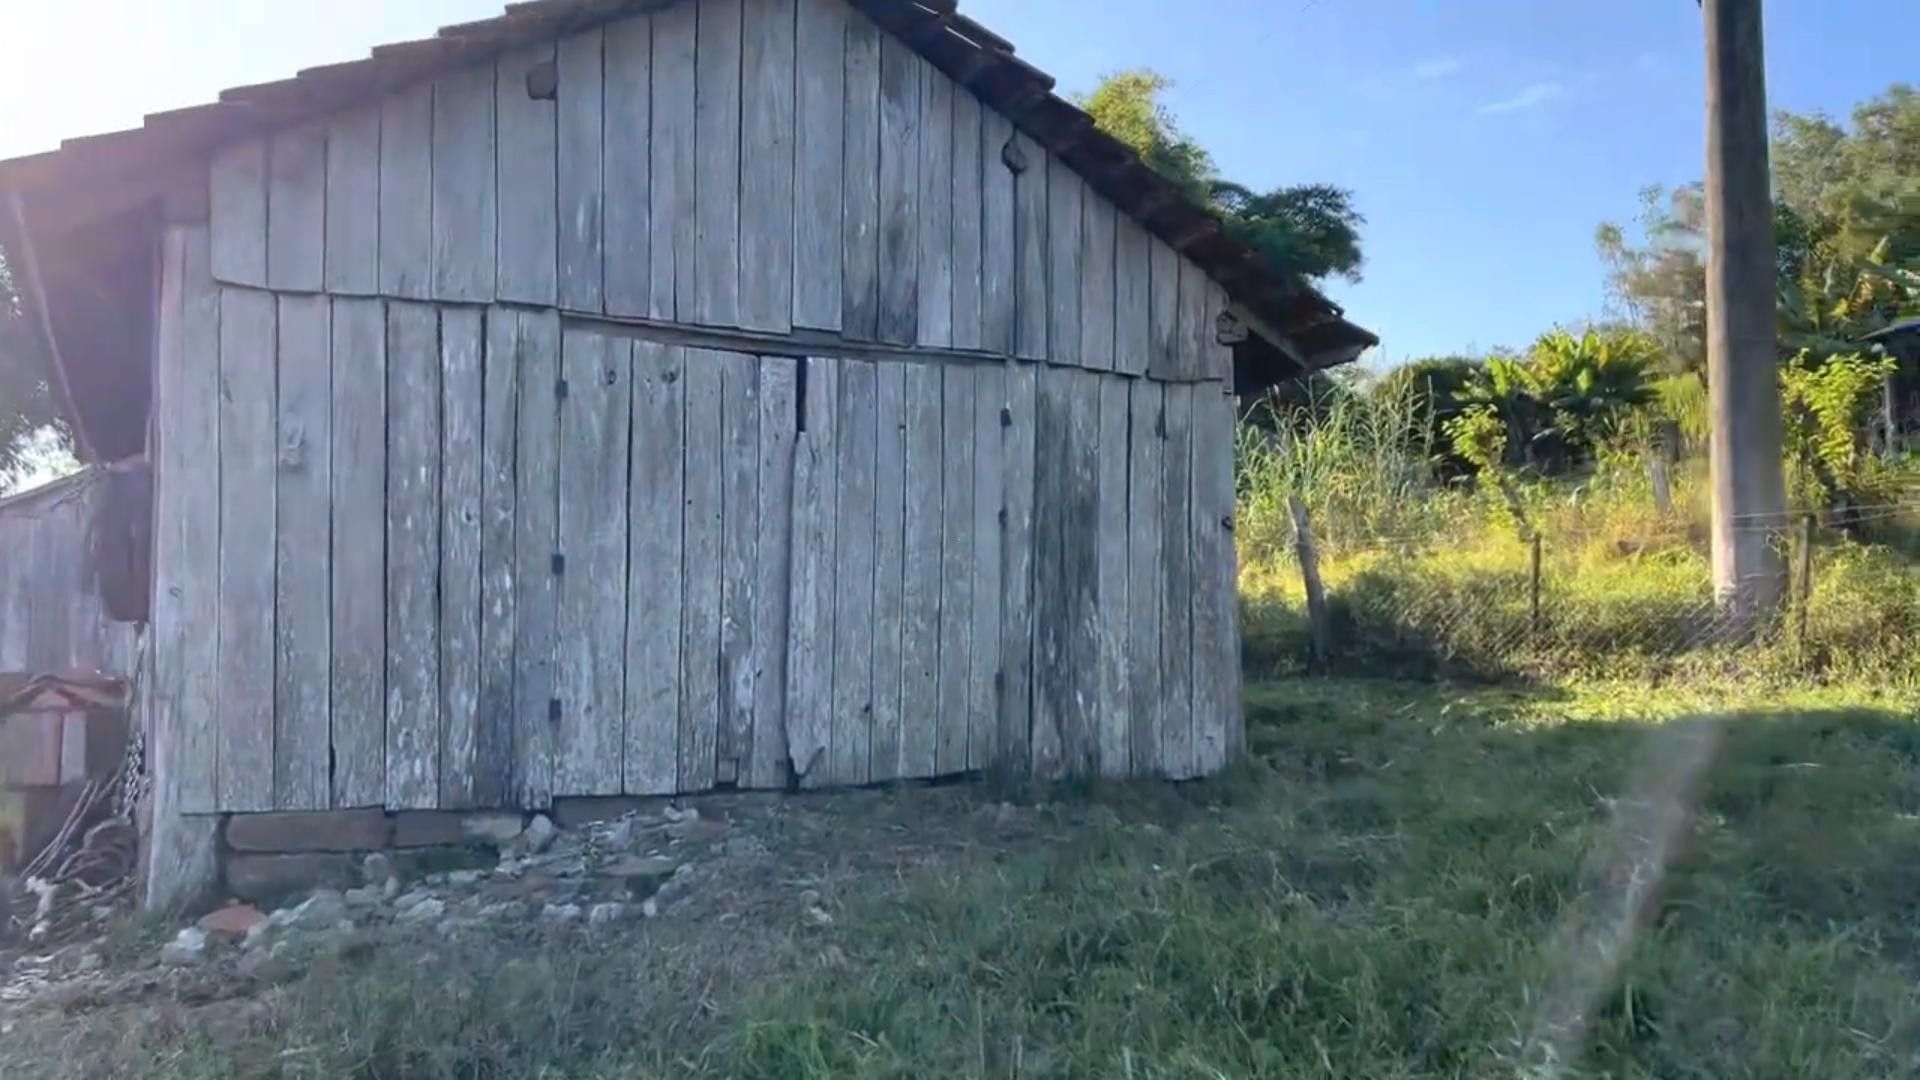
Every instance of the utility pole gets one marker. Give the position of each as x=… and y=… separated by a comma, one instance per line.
x=1749, y=490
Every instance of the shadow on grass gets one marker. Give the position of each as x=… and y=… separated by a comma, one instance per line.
x=1425, y=881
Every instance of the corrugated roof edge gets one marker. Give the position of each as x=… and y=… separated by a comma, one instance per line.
x=968, y=52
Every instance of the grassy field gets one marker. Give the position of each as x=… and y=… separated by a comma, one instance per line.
x=1408, y=880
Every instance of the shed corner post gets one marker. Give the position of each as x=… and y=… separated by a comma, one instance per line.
x=179, y=851
x=179, y=857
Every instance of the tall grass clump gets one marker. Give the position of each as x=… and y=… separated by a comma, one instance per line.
x=1360, y=457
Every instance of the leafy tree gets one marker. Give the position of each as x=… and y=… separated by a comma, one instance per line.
x=1590, y=382
x=1309, y=230
x=1846, y=229
x=1660, y=282
x=1563, y=399
x=1850, y=261
x=26, y=398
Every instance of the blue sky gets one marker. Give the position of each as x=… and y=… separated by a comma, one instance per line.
x=1484, y=139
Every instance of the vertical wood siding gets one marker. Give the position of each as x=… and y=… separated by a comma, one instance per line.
x=743, y=164
x=822, y=571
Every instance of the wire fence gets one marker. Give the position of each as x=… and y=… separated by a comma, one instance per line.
x=1572, y=601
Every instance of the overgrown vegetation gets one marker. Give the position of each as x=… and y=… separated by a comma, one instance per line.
x=1309, y=230
x=1428, y=561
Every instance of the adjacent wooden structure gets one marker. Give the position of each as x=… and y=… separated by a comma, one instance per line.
x=653, y=397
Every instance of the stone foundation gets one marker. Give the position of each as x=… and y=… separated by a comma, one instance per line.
x=266, y=857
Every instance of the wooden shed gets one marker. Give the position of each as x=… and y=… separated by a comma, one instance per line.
x=640, y=397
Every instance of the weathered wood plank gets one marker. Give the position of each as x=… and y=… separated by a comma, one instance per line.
x=1013, y=743
x=902, y=73
x=237, y=196
x=766, y=166
x=1097, y=314
x=889, y=556
x=1132, y=297
x=1080, y=533
x=580, y=175
x=810, y=616
x=1111, y=537
x=675, y=232
x=1032, y=305
x=855, y=431
x=626, y=220
x=1066, y=221
x=766, y=762
x=246, y=549
x=860, y=174
x=1052, y=594
x=302, y=558
x=406, y=193
x=921, y=572
x=1196, y=327
x=969, y=210
x=465, y=214
x=998, y=239
x=359, y=585
x=956, y=571
x=353, y=202
x=717, y=164
x=186, y=561
x=1176, y=550
x=536, y=362
x=179, y=853
x=1215, y=650
x=413, y=556
x=589, y=656
x=935, y=276
x=656, y=509
x=739, y=556
x=1146, y=579
x=499, y=585
x=821, y=123
x=700, y=560
x=989, y=504
x=462, y=420
x=529, y=203
x=297, y=209
x=1163, y=329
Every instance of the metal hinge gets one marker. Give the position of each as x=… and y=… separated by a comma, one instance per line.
x=560, y=389
x=559, y=564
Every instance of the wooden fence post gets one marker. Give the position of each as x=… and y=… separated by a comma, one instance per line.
x=1804, y=592
x=1533, y=612
x=1662, y=484
x=1317, y=622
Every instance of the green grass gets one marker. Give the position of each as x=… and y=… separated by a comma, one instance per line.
x=1395, y=891
x=1407, y=880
